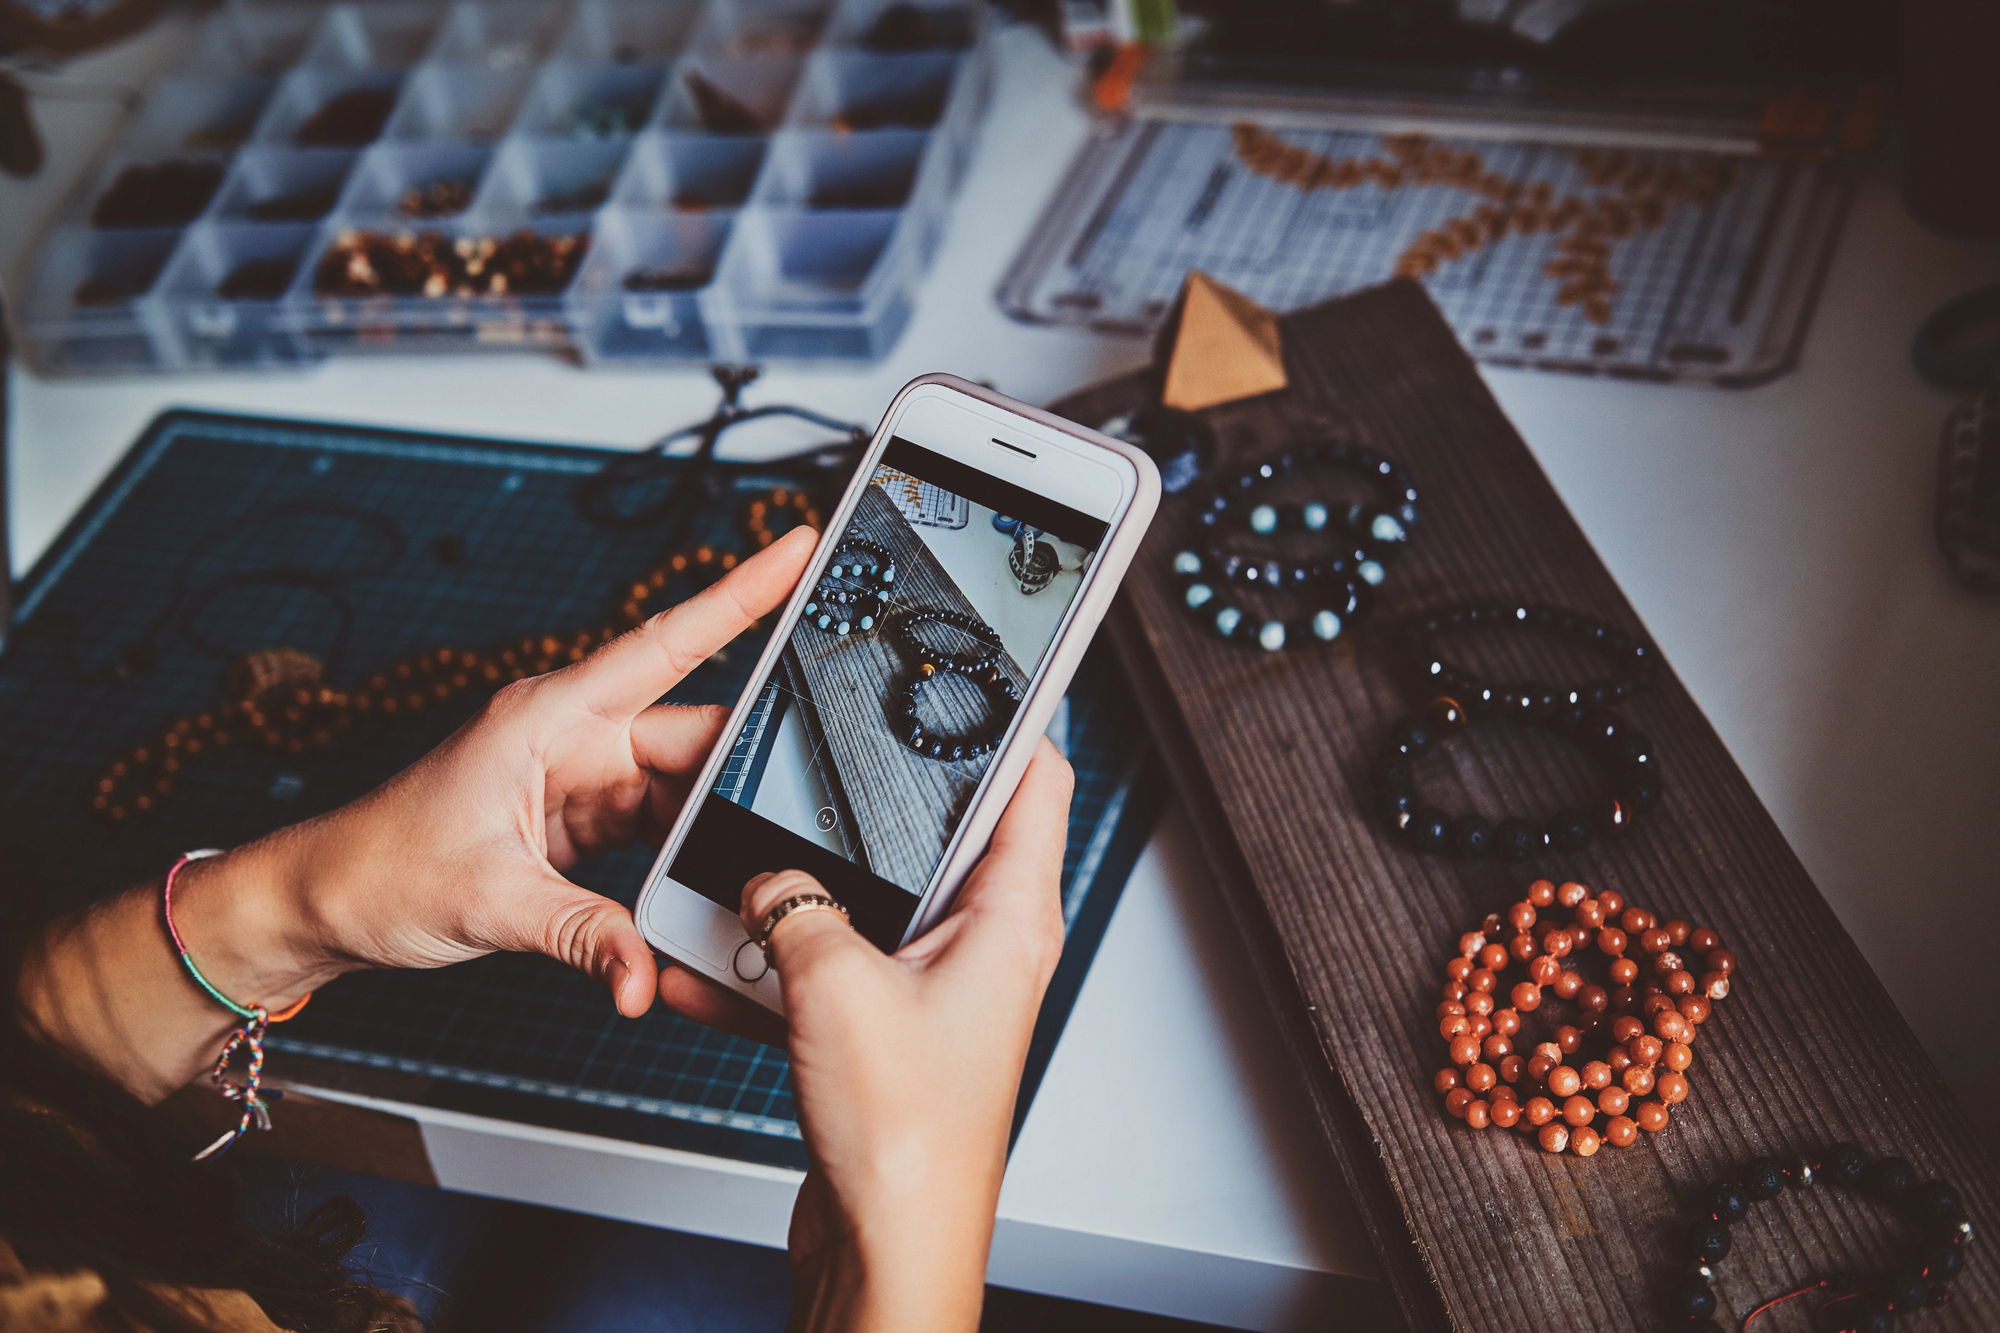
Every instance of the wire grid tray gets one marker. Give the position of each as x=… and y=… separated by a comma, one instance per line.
x=1641, y=261
x=220, y=536
x=654, y=181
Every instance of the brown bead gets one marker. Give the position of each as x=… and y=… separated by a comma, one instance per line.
x=1596, y=1075
x=1453, y=1025
x=1680, y=983
x=1568, y=1038
x=1619, y=1059
x=1654, y=1005
x=1527, y=997
x=1492, y=926
x=1612, y=901
x=1453, y=990
x=1496, y=1048
x=1694, y=1008
x=1503, y=1093
x=1665, y=964
x=1554, y=1137
x=1457, y=1100
x=1652, y=1117
x=1633, y=920
x=1670, y=1027
x=1470, y=943
x=1570, y=893
x=1564, y=1081
x=1557, y=943
x=1624, y=971
x=1521, y=915
x=1624, y=1028
x=1544, y=970
x=1638, y=1080
x=1613, y=1101
x=1482, y=979
x=1593, y=999
x=1506, y=1022
x=1623, y=999
x=1678, y=931
x=1579, y=1110
x=1721, y=960
x=1522, y=947
x=1481, y=1027
x=1478, y=1114
x=1505, y=1113
x=1655, y=940
x=1703, y=940
x=1512, y=1067
x=1479, y=1004
x=1481, y=1078
x=1584, y=1141
x=1612, y=941
x=1494, y=958
x=1550, y=1049
x=1568, y=984
x=1542, y=893
x=1446, y=1080
x=1464, y=1049
x=1621, y=1132
x=1671, y=1087
x=1458, y=969
x=1714, y=985
x=1539, y=1110
x=1540, y=1065
x=1646, y=1050
x=1589, y=914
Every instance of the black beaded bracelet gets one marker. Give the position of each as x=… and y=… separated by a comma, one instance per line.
x=1632, y=659
x=1000, y=691
x=1635, y=786
x=852, y=583
x=1384, y=526
x=1340, y=601
x=904, y=631
x=1923, y=1279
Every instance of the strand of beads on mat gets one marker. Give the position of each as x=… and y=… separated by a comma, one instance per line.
x=1645, y=1019
x=1921, y=1280
x=1334, y=584
x=1641, y=191
x=277, y=699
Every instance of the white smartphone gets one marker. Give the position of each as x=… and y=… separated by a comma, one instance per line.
x=896, y=706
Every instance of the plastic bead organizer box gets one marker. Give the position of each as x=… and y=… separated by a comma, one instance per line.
x=707, y=180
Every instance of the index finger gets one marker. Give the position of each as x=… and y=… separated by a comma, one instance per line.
x=630, y=673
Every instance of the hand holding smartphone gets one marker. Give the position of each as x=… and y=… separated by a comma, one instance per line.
x=897, y=703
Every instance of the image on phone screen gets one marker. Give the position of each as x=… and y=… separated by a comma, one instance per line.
x=857, y=764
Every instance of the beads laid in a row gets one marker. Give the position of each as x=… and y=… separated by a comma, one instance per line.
x=1339, y=605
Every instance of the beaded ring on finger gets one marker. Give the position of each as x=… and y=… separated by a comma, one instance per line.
x=1650, y=1013
x=854, y=588
x=1633, y=660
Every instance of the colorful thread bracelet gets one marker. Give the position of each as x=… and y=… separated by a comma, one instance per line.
x=248, y=1038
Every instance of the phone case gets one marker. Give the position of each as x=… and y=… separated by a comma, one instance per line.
x=1045, y=692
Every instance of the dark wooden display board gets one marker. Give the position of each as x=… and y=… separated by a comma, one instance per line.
x=1349, y=931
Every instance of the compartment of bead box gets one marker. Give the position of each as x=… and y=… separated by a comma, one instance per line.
x=469, y=105
x=737, y=29
x=813, y=283
x=591, y=101
x=244, y=38
x=283, y=184
x=415, y=183
x=825, y=170
x=215, y=115
x=689, y=172
x=496, y=36
x=900, y=27
x=537, y=176
x=82, y=311
x=330, y=108
x=137, y=190
x=636, y=296
x=627, y=32
x=721, y=94
x=219, y=301
x=371, y=36
x=484, y=278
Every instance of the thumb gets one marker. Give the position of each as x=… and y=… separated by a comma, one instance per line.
x=590, y=933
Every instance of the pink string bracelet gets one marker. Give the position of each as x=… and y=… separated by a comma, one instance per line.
x=249, y=1038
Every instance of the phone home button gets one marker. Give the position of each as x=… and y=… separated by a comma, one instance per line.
x=759, y=966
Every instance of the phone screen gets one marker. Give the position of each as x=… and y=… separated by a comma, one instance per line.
x=931, y=612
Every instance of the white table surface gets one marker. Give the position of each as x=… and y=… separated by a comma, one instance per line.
x=1776, y=541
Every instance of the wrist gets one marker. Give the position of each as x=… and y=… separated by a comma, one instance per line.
x=245, y=919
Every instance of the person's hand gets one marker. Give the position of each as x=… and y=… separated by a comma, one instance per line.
x=905, y=1069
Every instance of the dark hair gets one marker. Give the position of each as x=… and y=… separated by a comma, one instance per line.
x=90, y=1177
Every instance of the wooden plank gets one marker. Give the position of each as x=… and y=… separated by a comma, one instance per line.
x=903, y=806
x=1350, y=930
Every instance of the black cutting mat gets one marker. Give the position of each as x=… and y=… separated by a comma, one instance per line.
x=219, y=536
